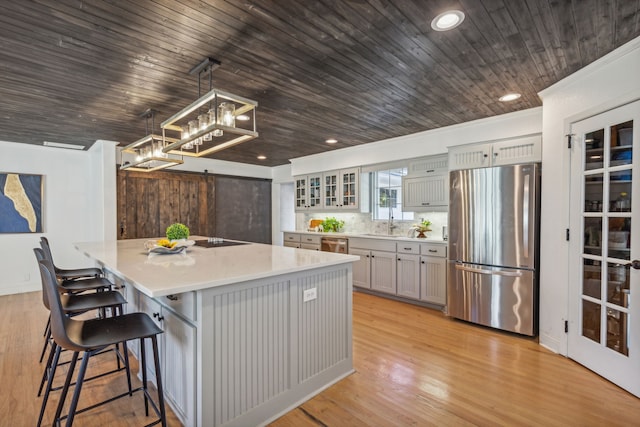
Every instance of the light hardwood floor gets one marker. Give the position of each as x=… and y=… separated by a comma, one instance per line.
x=413, y=366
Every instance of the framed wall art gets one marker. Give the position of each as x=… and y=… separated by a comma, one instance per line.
x=20, y=203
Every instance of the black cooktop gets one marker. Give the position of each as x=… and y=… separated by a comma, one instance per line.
x=208, y=244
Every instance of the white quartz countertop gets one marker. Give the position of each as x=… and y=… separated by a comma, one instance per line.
x=372, y=236
x=200, y=268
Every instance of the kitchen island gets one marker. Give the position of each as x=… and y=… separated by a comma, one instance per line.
x=251, y=330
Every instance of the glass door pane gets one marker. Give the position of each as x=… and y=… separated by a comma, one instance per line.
x=607, y=176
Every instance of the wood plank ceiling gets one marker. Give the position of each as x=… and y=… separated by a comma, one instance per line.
x=76, y=71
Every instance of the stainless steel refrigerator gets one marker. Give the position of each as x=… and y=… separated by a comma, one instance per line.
x=493, y=246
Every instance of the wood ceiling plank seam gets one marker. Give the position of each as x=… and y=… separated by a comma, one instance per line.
x=562, y=15
x=584, y=16
x=627, y=21
x=548, y=33
x=532, y=43
x=606, y=26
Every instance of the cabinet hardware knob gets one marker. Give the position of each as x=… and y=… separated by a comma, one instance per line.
x=422, y=262
x=372, y=256
x=635, y=264
x=160, y=318
x=399, y=259
x=156, y=315
x=486, y=155
x=172, y=297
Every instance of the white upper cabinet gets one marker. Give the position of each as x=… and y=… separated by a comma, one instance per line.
x=526, y=149
x=426, y=185
x=428, y=165
x=341, y=189
x=308, y=194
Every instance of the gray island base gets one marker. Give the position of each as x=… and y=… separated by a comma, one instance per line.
x=251, y=331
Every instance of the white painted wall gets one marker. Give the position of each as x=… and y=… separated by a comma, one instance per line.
x=609, y=82
x=78, y=205
x=425, y=143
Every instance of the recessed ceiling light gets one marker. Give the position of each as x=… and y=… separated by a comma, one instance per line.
x=447, y=20
x=261, y=157
x=509, y=97
x=331, y=141
x=243, y=117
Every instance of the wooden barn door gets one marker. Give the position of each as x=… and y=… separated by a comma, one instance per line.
x=149, y=202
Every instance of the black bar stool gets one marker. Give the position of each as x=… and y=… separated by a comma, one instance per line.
x=92, y=336
x=99, y=284
x=69, y=274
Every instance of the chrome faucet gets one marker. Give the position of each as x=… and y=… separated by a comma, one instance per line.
x=390, y=224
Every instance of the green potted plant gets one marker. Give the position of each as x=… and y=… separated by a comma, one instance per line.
x=332, y=224
x=423, y=227
x=177, y=231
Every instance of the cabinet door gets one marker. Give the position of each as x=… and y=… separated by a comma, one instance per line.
x=153, y=308
x=433, y=279
x=314, y=191
x=470, y=156
x=331, y=189
x=383, y=271
x=429, y=165
x=362, y=268
x=514, y=151
x=409, y=276
x=179, y=366
x=301, y=193
x=349, y=180
x=426, y=191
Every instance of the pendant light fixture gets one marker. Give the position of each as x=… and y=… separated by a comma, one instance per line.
x=146, y=154
x=215, y=121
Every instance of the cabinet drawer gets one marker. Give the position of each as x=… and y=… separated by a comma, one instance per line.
x=310, y=246
x=433, y=249
x=183, y=304
x=310, y=239
x=291, y=237
x=373, y=244
x=408, y=248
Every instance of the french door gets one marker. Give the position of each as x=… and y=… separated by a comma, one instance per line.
x=604, y=289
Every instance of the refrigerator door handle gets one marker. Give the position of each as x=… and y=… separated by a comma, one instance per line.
x=492, y=272
x=525, y=216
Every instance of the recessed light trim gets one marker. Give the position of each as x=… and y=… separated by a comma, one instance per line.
x=509, y=97
x=331, y=141
x=447, y=20
x=262, y=157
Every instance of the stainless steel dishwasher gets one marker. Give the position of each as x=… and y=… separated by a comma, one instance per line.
x=334, y=244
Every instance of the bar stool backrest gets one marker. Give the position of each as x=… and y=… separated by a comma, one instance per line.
x=44, y=243
x=59, y=322
x=40, y=257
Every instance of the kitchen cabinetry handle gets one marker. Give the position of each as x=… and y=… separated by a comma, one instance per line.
x=408, y=249
x=433, y=251
x=525, y=215
x=635, y=264
x=496, y=273
x=425, y=203
x=173, y=297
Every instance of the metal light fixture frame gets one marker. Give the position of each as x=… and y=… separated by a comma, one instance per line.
x=134, y=148
x=214, y=98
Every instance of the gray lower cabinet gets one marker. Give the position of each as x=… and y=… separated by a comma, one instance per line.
x=413, y=270
x=362, y=268
x=408, y=283
x=177, y=346
x=383, y=271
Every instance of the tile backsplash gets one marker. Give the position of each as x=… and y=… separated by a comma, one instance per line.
x=355, y=222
